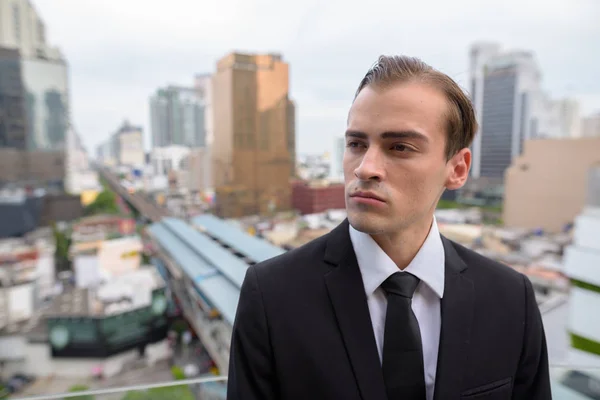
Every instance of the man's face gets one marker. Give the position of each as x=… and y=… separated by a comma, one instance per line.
x=395, y=166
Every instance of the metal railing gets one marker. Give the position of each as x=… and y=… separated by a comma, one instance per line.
x=568, y=383
x=206, y=388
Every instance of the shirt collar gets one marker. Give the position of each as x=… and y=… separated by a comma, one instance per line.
x=375, y=265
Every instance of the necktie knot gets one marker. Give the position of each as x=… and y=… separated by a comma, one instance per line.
x=401, y=283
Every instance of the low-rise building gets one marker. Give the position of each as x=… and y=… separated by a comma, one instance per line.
x=101, y=331
x=100, y=261
x=26, y=280
x=317, y=196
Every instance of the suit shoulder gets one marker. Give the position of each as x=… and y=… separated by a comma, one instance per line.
x=294, y=259
x=483, y=267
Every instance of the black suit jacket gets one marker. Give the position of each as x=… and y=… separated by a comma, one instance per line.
x=303, y=330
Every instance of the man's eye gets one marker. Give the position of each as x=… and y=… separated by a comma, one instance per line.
x=401, y=147
x=353, y=144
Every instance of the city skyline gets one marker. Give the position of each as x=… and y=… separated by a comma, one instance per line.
x=113, y=74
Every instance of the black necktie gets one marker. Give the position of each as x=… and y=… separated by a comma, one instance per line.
x=403, y=370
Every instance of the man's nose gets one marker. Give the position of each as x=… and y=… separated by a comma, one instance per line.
x=371, y=166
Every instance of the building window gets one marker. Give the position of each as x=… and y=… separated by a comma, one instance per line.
x=41, y=32
x=17, y=22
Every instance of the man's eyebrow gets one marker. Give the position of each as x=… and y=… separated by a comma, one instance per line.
x=356, y=134
x=405, y=134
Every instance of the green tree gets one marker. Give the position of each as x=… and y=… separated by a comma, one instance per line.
x=63, y=244
x=3, y=392
x=177, y=372
x=162, y=393
x=105, y=203
x=81, y=388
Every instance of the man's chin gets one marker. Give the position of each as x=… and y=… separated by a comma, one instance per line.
x=369, y=224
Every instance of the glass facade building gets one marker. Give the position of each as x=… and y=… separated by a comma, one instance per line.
x=47, y=103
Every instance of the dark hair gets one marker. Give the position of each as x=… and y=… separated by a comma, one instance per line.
x=461, y=122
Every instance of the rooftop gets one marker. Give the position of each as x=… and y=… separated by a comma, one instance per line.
x=251, y=247
x=214, y=255
x=127, y=292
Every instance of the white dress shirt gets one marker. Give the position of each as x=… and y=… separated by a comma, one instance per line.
x=428, y=265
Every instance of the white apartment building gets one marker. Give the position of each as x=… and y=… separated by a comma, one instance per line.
x=22, y=28
x=591, y=126
x=557, y=119
x=582, y=261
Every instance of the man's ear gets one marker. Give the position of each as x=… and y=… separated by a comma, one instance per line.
x=458, y=169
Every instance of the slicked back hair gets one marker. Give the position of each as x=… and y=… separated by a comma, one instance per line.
x=461, y=124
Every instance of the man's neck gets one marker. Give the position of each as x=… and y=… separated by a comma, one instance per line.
x=403, y=246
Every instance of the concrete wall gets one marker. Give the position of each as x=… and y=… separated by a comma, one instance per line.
x=546, y=186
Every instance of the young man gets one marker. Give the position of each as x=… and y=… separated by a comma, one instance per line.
x=384, y=307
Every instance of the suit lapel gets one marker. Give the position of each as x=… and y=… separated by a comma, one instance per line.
x=457, y=315
x=349, y=301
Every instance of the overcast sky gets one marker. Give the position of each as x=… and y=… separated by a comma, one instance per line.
x=120, y=51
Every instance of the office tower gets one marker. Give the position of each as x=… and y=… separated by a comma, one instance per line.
x=252, y=149
x=13, y=130
x=177, y=117
x=44, y=74
x=505, y=90
x=47, y=103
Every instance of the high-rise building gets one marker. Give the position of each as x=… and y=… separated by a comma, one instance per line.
x=44, y=75
x=125, y=147
x=505, y=90
x=557, y=119
x=252, y=149
x=46, y=102
x=570, y=117
x=591, y=126
x=204, y=87
x=21, y=28
x=291, y=136
x=129, y=140
x=36, y=157
x=13, y=129
x=177, y=117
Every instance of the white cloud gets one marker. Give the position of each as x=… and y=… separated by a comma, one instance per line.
x=120, y=51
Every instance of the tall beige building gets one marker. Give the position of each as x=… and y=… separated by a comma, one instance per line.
x=130, y=144
x=253, y=147
x=546, y=186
